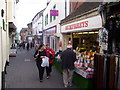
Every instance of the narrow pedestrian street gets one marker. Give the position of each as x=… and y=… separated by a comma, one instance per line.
x=23, y=73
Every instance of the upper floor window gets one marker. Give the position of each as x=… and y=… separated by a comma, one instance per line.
x=50, y=18
x=46, y=19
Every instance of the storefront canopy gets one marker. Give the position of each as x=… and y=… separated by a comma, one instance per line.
x=88, y=24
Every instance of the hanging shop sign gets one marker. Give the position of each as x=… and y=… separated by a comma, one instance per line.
x=53, y=12
x=83, y=25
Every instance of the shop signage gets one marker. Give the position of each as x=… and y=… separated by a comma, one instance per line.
x=77, y=25
x=83, y=25
x=50, y=31
x=53, y=12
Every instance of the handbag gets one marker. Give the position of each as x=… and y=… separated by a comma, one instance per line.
x=45, y=62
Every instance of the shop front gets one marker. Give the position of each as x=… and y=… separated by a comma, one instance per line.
x=49, y=37
x=107, y=65
x=84, y=36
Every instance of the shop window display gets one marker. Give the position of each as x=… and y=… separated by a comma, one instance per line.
x=85, y=51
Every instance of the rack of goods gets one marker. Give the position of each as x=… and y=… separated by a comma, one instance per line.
x=84, y=65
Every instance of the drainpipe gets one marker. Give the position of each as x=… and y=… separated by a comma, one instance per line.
x=65, y=8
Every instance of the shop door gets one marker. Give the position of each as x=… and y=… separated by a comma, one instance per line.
x=52, y=43
x=75, y=42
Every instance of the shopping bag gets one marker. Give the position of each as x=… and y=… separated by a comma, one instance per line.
x=45, y=62
x=58, y=58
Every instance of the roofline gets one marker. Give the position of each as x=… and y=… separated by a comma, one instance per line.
x=38, y=13
x=78, y=16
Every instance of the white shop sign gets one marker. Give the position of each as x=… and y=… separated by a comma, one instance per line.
x=83, y=25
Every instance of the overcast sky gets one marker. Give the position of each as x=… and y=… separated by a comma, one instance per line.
x=26, y=11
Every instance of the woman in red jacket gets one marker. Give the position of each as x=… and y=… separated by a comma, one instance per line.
x=50, y=53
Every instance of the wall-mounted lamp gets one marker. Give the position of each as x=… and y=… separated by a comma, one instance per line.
x=2, y=13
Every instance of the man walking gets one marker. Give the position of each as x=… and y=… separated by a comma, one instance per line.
x=28, y=46
x=68, y=58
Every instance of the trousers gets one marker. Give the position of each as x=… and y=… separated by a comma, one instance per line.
x=67, y=76
x=41, y=70
x=49, y=69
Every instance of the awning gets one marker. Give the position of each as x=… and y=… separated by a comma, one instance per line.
x=87, y=24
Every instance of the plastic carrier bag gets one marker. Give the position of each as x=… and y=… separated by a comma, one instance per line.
x=45, y=62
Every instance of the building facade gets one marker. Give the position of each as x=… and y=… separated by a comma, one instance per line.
x=52, y=16
x=24, y=34
x=7, y=27
x=30, y=37
x=80, y=22
x=2, y=37
x=37, y=27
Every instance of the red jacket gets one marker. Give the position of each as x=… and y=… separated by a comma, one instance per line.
x=49, y=52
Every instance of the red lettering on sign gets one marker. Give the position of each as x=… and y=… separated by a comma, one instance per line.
x=77, y=25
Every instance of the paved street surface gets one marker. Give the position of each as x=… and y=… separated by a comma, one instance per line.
x=23, y=73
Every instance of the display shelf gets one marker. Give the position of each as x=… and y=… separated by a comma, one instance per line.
x=83, y=73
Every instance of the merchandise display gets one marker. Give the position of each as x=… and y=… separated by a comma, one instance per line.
x=84, y=65
x=85, y=44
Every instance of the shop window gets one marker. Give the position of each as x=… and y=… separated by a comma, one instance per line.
x=45, y=20
x=50, y=18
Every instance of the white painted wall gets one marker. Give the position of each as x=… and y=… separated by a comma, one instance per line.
x=2, y=40
x=68, y=7
x=11, y=13
x=9, y=16
x=37, y=26
x=60, y=6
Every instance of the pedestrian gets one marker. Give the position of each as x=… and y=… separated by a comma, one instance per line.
x=50, y=53
x=68, y=57
x=20, y=46
x=31, y=45
x=23, y=45
x=39, y=54
x=28, y=46
x=14, y=45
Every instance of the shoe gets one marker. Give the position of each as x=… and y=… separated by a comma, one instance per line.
x=65, y=86
x=41, y=80
x=70, y=85
x=47, y=77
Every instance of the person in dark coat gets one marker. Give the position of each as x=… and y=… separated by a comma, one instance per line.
x=68, y=57
x=28, y=46
x=31, y=45
x=23, y=45
x=39, y=54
